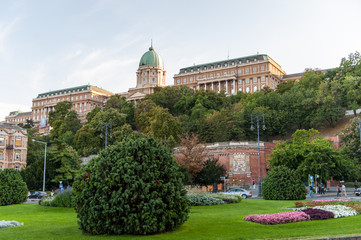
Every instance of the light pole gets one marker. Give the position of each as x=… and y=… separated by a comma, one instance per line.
x=45, y=144
x=105, y=126
x=358, y=128
x=257, y=118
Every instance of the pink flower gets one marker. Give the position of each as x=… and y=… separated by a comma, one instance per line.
x=278, y=218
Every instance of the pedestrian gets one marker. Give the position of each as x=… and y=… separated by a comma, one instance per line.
x=322, y=188
x=356, y=185
x=338, y=191
x=311, y=191
x=344, y=193
x=254, y=184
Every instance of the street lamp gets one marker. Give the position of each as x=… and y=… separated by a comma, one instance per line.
x=105, y=126
x=358, y=128
x=257, y=118
x=45, y=144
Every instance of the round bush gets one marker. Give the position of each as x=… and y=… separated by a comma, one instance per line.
x=13, y=189
x=283, y=183
x=132, y=188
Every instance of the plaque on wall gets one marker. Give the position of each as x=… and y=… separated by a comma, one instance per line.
x=239, y=164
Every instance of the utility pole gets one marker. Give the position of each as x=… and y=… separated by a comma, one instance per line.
x=107, y=126
x=257, y=118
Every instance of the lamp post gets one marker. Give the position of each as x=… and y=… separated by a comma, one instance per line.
x=106, y=126
x=358, y=128
x=45, y=144
x=257, y=118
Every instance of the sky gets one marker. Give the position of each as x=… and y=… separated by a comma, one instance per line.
x=50, y=45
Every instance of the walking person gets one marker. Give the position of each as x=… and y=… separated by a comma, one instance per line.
x=344, y=193
x=322, y=188
x=338, y=191
x=356, y=185
x=311, y=191
x=254, y=184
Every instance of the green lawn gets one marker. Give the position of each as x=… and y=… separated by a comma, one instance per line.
x=208, y=222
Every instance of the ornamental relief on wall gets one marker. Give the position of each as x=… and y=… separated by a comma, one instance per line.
x=239, y=164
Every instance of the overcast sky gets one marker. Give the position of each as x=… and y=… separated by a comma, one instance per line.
x=49, y=45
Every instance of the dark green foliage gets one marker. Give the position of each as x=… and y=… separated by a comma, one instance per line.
x=134, y=187
x=283, y=183
x=13, y=189
x=210, y=173
x=62, y=199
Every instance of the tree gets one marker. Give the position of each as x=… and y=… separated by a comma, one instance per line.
x=210, y=173
x=310, y=156
x=13, y=189
x=120, y=103
x=132, y=188
x=190, y=154
x=68, y=163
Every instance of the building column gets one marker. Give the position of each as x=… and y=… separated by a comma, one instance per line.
x=212, y=87
x=219, y=86
x=226, y=87
x=234, y=87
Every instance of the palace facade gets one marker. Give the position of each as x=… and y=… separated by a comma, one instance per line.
x=84, y=99
x=150, y=74
x=17, y=117
x=245, y=74
x=13, y=146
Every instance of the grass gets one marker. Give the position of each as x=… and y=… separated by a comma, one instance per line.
x=205, y=222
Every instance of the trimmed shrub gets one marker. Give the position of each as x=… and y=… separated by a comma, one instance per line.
x=318, y=214
x=135, y=187
x=13, y=189
x=62, y=199
x=228, y=198
x=195, y=199
x=283, y=183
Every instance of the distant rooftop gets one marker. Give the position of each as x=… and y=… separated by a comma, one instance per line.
x=10, y=126
x=69, y=90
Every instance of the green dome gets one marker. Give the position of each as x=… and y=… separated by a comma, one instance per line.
x=151, y=58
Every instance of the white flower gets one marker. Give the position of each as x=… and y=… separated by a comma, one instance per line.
x=4, y=224
x=338, y=210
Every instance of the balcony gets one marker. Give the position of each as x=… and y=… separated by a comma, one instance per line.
x=10, y=146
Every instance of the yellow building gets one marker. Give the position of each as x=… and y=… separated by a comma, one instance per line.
x=84, y=99
x=246, y=74
x=13, y=146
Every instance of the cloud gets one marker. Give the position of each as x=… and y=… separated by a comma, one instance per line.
x=6, y=108
x=5, y=29
x=36, y=77
x=72, y=55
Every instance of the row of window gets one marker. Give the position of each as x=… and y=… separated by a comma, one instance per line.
x=17, y=142
x=67, y=99
x=255, y=79
x=153, y=73
x=219, y=65
x=18, y=119
x=17, y=168
x=153, y=80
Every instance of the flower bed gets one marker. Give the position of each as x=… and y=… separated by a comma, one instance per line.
x=318, y=214
x=4, y=224
x=339, y=210
x=278, y=218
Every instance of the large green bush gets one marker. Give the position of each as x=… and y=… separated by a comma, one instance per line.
x=132, y=188
x=283, y=183
x=13, y=189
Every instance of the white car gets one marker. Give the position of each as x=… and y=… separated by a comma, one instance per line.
x=240, y=191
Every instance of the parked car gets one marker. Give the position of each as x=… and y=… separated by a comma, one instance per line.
x=240, y=191
x=38, y=195
x=358, y=192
